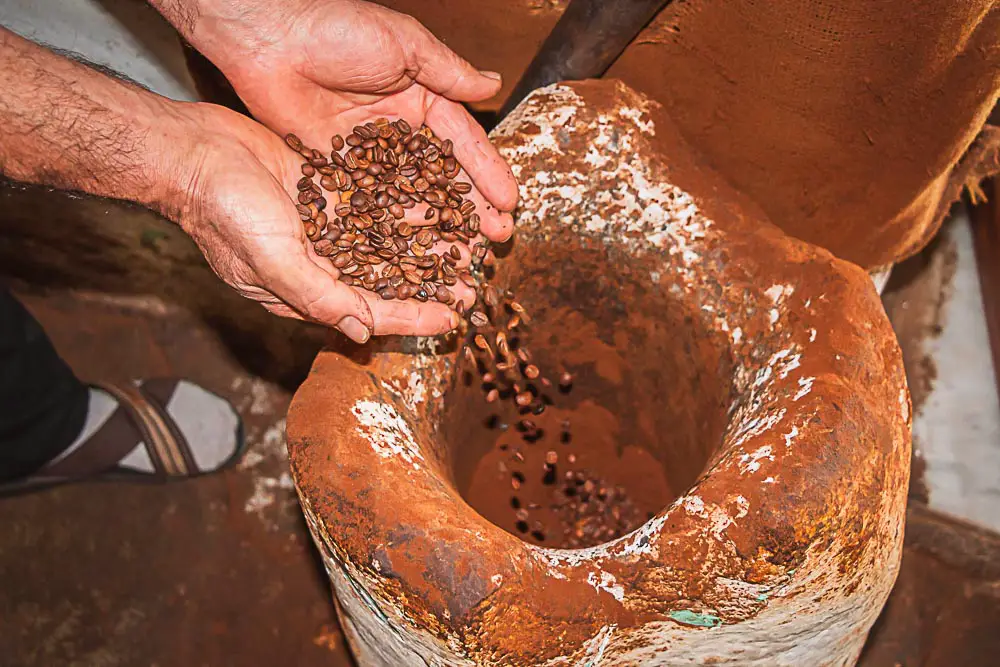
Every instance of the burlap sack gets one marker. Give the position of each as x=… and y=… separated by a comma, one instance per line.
x=854, y=124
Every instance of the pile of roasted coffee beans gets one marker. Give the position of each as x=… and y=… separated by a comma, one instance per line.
x=369, y=180
x=590, y=511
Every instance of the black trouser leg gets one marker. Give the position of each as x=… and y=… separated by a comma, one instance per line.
x=42, y=405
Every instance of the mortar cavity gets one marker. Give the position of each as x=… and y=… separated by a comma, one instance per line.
x=646, y=410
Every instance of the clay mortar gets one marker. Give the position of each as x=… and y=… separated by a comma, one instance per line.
x=759, y=374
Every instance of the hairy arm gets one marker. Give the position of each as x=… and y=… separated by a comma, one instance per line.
x=69, y=126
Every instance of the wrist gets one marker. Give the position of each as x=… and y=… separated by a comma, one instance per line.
x=229, y=32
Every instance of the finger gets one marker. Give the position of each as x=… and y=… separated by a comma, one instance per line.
x=489, y=172
x=440, y=69
x=444, y=248
x=415, y=318
x=464, y=293
x=349, y=326
x=317, y=296
x=410, y=317
x=494, y=224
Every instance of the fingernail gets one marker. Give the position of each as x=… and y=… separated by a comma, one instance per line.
x=354, y=329
x=496, y=76
x=454, y=320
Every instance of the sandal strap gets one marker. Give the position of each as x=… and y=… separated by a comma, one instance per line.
x=164, y=442
x=168, y=450
x=159, y=392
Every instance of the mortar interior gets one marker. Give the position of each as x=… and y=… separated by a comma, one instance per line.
x=650, y=394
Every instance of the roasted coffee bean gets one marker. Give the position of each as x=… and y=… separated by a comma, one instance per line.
x=293, y=142
x=324, y=248
x=337, y=142
x=491, y=296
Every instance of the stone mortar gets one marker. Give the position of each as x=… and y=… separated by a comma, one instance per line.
x=758, y=371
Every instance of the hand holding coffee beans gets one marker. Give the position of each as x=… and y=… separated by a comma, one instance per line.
x=357, y=214
x=319, y=68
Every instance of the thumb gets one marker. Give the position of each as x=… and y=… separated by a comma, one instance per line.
x=319, y=297
x=441, y=70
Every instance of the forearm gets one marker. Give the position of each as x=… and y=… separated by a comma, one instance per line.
x=66, y=125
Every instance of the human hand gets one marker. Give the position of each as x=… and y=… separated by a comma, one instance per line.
x=318, y=68
x=232, y=196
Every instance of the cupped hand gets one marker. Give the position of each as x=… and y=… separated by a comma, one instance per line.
x=232, y=197
x=319, y=67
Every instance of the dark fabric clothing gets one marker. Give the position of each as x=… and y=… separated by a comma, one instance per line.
x=43, y=405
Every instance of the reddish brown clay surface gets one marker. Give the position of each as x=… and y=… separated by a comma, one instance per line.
x=759, y=372
x=844, y=122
